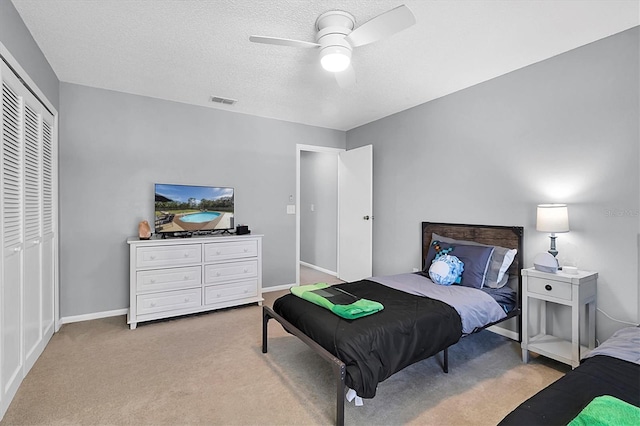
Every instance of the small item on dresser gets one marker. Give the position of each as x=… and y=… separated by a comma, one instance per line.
x=242, y=230
x=144, y=230
x=572, y=270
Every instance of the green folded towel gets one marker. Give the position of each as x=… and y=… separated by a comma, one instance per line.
x=607, y=411
x=316, y=294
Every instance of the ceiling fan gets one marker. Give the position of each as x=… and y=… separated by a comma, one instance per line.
x=336, y=38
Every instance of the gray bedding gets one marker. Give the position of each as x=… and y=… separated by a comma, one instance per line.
x=475, y=307
x=624, y=345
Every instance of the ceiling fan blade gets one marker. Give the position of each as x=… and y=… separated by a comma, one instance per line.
x=283, y=42
x=384, y=25
x=346, y=78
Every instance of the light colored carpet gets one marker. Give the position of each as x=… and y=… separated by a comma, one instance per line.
x=209, y=369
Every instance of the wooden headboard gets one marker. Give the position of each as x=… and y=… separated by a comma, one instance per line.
x=503, y=236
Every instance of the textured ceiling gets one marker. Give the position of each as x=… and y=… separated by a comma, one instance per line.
x=187, y=50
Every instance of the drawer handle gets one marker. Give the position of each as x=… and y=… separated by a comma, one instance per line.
x=186, y=255
x=217, y=251
x=153, y=281
x=219, y=295
x=186, y=277
x=186, y=299
x=152, y=257
x=246, y=291
x=218, y=274
x=246, y=270
x=548, y=287
x=246, y=250
x=153, y=305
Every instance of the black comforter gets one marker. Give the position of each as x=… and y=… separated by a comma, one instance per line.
x=409, y=329
x=563, y=400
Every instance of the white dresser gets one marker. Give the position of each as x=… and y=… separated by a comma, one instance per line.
x=180, y=276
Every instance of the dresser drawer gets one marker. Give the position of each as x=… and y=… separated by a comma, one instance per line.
x=222, y=293
x=221, y=272
x=557, y=289
x=169, y=301
x=151, y=257
x=168, y=279
x=230, y=250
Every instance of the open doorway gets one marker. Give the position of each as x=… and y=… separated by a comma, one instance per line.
x=317, y=214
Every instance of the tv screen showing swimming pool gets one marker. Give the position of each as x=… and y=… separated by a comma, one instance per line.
x=192, y=209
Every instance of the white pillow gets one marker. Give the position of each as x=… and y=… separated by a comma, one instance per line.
x=508, y=260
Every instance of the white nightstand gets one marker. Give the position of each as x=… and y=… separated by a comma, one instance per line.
x=577, y=291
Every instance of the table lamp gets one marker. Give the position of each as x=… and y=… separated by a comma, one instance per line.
x=552, y=218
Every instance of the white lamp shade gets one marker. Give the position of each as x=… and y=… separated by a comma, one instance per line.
x=552, y=218
x=335, y=58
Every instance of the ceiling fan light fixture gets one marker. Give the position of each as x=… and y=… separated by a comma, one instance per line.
x=335, y=58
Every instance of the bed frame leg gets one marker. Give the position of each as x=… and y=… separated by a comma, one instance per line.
x=340, y=371
x=445, y=366
x=265, y=320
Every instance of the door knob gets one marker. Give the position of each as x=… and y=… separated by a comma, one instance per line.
x=366, y=217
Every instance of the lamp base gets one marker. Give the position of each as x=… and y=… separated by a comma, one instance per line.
x=552, y=249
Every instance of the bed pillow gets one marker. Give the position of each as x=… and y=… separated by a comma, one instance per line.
x=446, y=270
x=500, y=261
x=474, y=258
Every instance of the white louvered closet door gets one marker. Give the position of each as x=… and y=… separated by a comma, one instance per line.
x=27, y=229
x=12, y=232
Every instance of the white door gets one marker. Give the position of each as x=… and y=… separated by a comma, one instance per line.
x=11, y=231
x=27, y=232
x=355, y=213
x=48, y=229
x=32, y=287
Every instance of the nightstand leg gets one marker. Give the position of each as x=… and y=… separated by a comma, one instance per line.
x=592, y=324
x=525, y=330
x=575, y=333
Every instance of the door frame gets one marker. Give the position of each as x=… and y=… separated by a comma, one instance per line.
x=299, y=149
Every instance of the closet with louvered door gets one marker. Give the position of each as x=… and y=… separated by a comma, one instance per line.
x=27, y=232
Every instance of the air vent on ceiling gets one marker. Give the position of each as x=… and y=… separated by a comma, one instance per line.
x=226, y=101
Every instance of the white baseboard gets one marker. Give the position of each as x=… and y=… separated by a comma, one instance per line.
x=317, y=268
x=513, y=335
x=277, y=287
x=95, y=315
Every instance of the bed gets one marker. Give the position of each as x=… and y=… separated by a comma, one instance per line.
x=612, y=369
x=420, y=319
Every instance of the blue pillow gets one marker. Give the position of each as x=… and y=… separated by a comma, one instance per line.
x=446, y=270
x=475, y=259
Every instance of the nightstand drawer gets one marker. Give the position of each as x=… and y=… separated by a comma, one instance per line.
x=557, y=289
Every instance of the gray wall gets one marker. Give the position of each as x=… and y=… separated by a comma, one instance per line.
x=319, y=228
x=565, y=129
x=115, y=146
x=15, y=36
x=562, y=130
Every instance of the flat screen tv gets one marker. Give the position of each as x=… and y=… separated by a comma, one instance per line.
x=190, y=209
